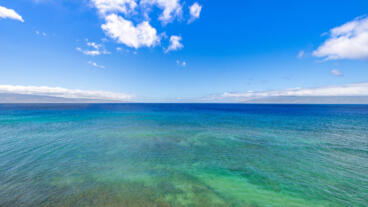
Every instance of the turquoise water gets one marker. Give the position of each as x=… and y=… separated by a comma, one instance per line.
x=183, y=155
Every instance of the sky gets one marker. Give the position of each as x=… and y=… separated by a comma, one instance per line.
x=184, y=50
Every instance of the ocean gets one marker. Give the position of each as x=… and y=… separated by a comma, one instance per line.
x=183, y=155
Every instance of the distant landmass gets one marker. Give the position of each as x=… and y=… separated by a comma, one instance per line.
x=311, y=100
x=25, y=98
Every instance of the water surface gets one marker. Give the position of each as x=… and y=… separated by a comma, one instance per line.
x=183, y=155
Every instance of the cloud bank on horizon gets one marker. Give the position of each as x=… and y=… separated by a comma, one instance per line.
x=64, y=92
x=356, y=89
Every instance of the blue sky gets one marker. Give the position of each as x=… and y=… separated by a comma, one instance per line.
x=176, y=50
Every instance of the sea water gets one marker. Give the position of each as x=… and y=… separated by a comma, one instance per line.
x=184, y=155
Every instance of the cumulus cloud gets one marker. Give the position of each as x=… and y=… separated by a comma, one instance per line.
x=195, y=11
x=175, y=44
x=356, y=89
x=10, y=13
x=114, y=6
x=336, y=72
x=125, y=32
x=348, y=41
x=94, y=64
x=171, y=8
x=120, y=17
x=93, y=49
x=64, y=93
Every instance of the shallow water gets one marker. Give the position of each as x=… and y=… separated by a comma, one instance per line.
x=183, y=155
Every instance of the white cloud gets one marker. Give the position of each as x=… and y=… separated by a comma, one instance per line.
x=120, y=17
x=10, y=13
x=175, y=44
x=349, y=41
x=356, y=89
x=94, y=49
x=300, y=54
x=94, y=45
x=195, y=11
x=171, y=8
x=126, y=33
x=336, y=72
x=114, y=6
x=94, y=64
x=88, y=52
x=64, y=93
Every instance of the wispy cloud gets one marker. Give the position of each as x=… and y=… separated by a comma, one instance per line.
x=10, y=13
x=114, y=6
x=175, y=44
x=171, y=9
x=94, y=64
x=64, y=92
x=349, y=41
x=195, y=12
x=93, y=49
x=336, y=72
x=300, y=54
x=88, y=52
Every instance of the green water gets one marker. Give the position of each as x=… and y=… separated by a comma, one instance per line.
x=183, y=155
